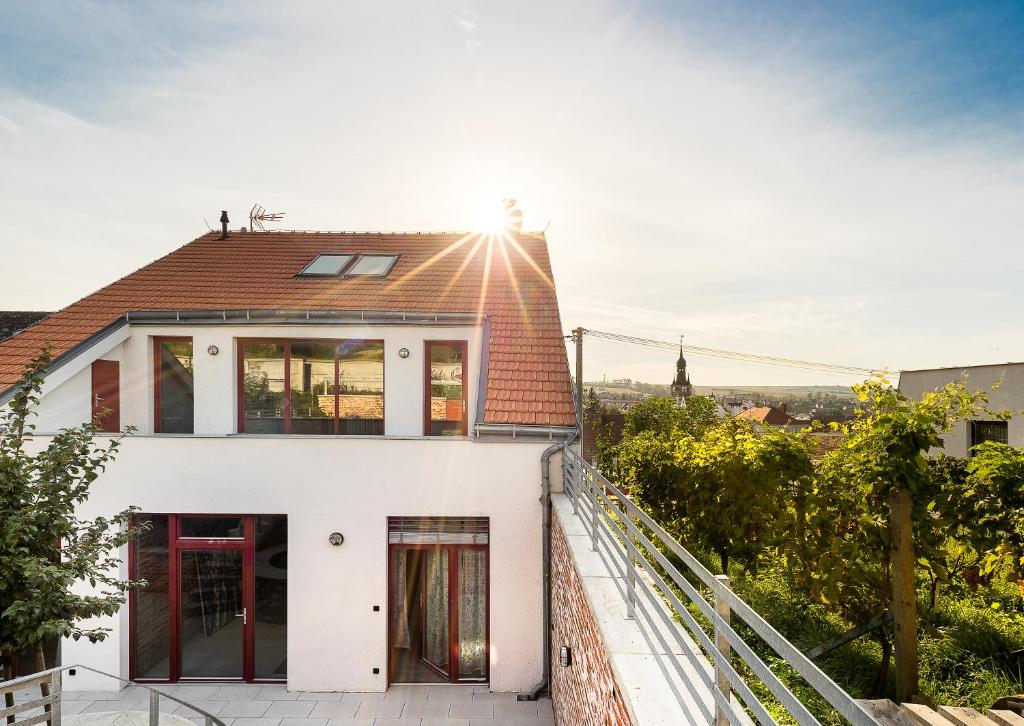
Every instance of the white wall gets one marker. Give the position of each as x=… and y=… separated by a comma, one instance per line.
x=350, y=486
x=1008, y=396
x=216, y=393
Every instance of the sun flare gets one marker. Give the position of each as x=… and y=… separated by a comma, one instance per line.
x=490, y=217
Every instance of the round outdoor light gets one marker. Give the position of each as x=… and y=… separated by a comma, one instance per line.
x=336, y=539
x=213, y=350
x=403, y=352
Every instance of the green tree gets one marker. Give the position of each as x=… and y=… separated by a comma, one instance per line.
x=726, y=492
x=995, y=495
x=45, y=548
x=664, y=417
x=846, y=531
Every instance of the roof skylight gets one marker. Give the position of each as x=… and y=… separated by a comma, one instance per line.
x=372, y=265
x=326, y=265
x=342, y=265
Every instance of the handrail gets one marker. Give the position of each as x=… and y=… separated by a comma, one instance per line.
x=631, y=545
x=54, y=698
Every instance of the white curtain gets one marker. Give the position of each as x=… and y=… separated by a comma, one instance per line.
x=472, y=613
x=435, y=647
x=400, y=604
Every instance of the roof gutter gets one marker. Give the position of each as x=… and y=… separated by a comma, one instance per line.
x=258, y=316
x=517, y=431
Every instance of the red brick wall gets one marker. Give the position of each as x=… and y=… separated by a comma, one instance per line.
x=585, y=693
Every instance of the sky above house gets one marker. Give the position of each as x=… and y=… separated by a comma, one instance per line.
x=837, y=182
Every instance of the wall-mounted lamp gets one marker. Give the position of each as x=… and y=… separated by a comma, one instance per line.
x=213, y=350
x=336, y=539
x=565, y=656
x=403, y=352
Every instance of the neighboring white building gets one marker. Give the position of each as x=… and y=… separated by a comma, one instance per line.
x=339, y=444
x=1009, y=395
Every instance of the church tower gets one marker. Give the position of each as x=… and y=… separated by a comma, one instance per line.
x=681, y=388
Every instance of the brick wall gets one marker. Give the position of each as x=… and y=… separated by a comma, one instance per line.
x=586, y=692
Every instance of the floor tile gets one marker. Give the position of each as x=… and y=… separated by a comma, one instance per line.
x=535, y=721
x=255, y=722
x=516, y=709
x=445, y=722
x=245, y=709
x=472, y=709
x=433, y=708
x=290, y=709
x=350, y=722
x=303, y=722
x=277, y=693
x=211, y=707
x=334, y=709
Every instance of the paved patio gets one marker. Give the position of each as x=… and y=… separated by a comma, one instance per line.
x=255, y=705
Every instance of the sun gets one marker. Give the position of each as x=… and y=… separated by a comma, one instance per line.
x=490, y=217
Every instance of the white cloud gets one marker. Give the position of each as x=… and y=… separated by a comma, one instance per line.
x=687, y=191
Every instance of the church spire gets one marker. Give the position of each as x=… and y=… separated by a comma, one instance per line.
x=681, y=388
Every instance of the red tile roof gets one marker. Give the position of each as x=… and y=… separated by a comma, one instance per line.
x=508, y=280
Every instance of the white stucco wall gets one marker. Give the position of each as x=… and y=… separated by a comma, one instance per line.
x=1009, y=395
x=323, y=484
x=216, y=392
x=350, y=486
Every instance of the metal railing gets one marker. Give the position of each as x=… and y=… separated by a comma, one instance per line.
x=633, y=547
x=51, y=703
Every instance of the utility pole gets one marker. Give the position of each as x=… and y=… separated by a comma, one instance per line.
x=577, y=337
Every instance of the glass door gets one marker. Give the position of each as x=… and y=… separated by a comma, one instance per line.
x=438, y=614
x=214, y=618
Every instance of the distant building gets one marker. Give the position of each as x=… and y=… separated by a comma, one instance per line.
x=771, y=416
x=681, y=388
x=1008, y=396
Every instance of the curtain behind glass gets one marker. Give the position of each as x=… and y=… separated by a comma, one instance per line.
x=435, y=646
x=400, y=601
x=472, y=613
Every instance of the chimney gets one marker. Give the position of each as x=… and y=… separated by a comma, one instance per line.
x=224, y=224
x=513, y=216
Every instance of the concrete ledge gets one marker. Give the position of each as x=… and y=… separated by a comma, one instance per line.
x=632, y=645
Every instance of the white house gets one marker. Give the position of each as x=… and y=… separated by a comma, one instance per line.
x=339, y=443
x=1007, y=395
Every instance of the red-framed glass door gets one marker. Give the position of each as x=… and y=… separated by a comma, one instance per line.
x=439, y=613
x=210, y=592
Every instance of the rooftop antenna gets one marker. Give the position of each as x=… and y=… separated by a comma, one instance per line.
x=258, y=215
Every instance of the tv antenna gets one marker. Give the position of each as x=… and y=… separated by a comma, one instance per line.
x=258, y=215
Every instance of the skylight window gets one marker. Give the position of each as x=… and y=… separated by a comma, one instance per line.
x=372, y=265
x=326, y=265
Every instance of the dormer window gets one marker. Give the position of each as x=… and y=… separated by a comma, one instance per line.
x=350, y=266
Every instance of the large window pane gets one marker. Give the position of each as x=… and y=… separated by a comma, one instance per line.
x=263, y=388
x=211, y=613
x=271, y=596
x=312, y=388
x=175, y=402
x=472, y=613
x=151, y=619
x=361, y=387
x=447, y=395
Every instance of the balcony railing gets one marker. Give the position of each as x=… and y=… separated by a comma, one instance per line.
x=51, y=703
x=659, y=597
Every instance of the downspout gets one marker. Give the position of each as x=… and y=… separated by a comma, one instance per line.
x=545, y=497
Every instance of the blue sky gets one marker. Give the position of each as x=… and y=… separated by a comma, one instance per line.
x=828, y=181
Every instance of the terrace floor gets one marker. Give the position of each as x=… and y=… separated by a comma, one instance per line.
x=273, y=705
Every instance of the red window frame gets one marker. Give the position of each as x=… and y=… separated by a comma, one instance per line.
x=175, y=545
x=157, y=340
x=453, y=610
x=287, y=404
x=464, y=346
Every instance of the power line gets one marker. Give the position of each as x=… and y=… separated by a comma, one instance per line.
x=733, y=355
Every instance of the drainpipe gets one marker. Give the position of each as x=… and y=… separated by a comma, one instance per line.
x=545, y=497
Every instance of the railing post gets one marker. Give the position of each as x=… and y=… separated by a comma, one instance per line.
x=154, y=708
x=55, y=694
x=593, y=511
x=631, y=569
x=722, y=643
